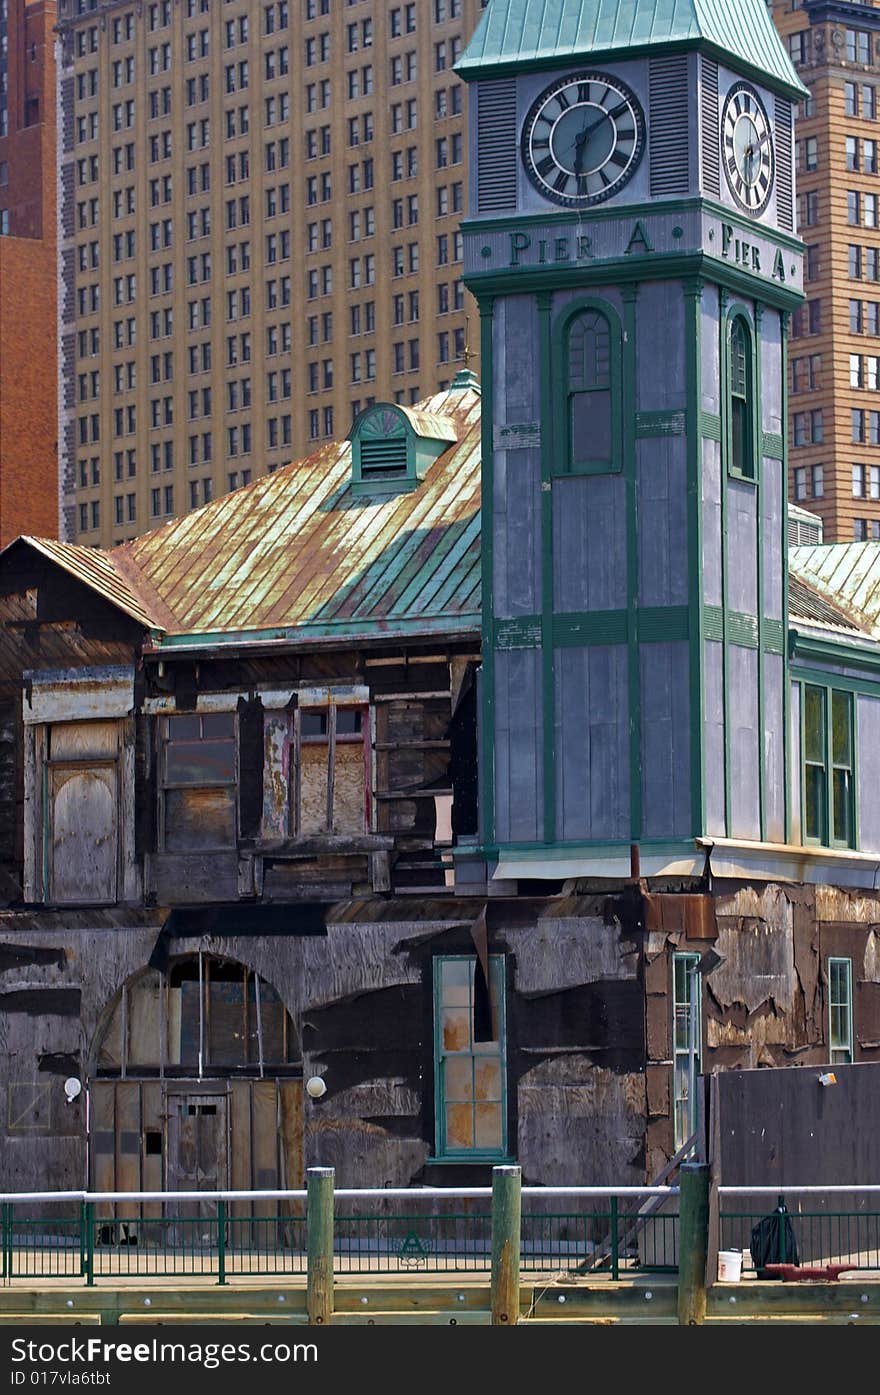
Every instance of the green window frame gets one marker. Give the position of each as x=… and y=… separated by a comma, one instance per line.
x=685, y=1101
x=741, y=400
x=828, y=804
x=840, y=1012
x=588, y=348
x=470, y=1078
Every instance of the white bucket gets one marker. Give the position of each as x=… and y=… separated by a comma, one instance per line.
x=729, y=1266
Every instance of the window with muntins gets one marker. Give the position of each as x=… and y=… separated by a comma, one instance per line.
x=840, y=1012
x=470, y=1066
x=593, y=395
x=198, y=781
x=687, y=1033
x=741, y=401
x=828, y=767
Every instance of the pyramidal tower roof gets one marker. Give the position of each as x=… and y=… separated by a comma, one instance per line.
x=552, y=33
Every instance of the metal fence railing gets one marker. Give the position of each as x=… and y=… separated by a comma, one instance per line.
x=812, y=1227
x=563, y=1231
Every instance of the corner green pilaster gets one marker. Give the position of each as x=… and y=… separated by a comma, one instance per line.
x=723, y=396
x=786, y=659
x=544, y=301
x=759, y=534
x=486, y=307
x=630, y=468
x=693, y=293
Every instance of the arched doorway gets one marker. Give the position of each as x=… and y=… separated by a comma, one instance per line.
x=195, y=1085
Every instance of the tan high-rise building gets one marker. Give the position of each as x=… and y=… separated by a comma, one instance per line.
x=834, y=384
x=260, y=206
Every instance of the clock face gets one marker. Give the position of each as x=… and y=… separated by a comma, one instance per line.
x=583, y=139
x=747, y=148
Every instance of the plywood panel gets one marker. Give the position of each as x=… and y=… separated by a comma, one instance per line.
x=868, y=774
x=795, y=769
x=712, y=550
x=102, y=1140
x=519, y=746
x=292, y=1125
x=663, y=523
x=240, y=1142
x=742, y=547
x=743, y=738
x=264, y=1140
x=152, y=1131
x=128, y=1143
x=774, y=748
x=143, y=1021
x=592, y=732
x=313, y=788
x=665, y=740
x=348, y=788
x=660, y=339
x=714, y=738
x=517, y=532
x=83, y=841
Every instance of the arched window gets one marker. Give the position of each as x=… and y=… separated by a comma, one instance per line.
x=741, y=400
x=592, y=428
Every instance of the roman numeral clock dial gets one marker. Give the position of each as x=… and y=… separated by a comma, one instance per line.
x=747, y=148
x=583, y=139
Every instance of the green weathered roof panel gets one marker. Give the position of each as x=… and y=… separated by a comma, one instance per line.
x=514, y=33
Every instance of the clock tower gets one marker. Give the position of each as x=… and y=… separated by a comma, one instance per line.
x=631, y=245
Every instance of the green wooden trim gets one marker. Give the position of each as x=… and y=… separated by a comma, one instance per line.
x=713, y=622
x=631, y=213
x=630, y=469
x=723, y=386
x=548, y=459
x=487, y=714
x=582, y=629
x=657, y=624
x=696, y=619
x=661, y=423
x=658, y=266
x=865, y=687
x=593, y=627
x=772, y=445
x=497, y=973
x=829, y=652
x=786, y=657
x=759, y=535
x=710, y=426
x=522, y=633
x=773, y=636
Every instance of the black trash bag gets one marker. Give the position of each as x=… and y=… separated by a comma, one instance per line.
x=773, y=1240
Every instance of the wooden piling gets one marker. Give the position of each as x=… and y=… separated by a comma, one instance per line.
x=506, y=1213
x=319, y=1230
x=693, y=1243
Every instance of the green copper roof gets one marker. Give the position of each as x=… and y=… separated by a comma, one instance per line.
x=551, y=33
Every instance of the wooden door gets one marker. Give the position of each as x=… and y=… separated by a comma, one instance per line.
x=82, y=863
x=197, y=1148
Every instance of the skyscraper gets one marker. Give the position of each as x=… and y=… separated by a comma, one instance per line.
x=28, y=334
x=834, y=375
x=260, y=211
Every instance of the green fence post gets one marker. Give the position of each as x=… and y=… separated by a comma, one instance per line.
x=319, y=1244
x=506, y=1224
x=221, y=1242
x=693, y=1243
x=7, y=1240
x=89, y=1223
x=615, y=1242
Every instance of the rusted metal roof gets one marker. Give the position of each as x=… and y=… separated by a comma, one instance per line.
x=297, y=551
x=98, y=570
x=845, y=575
x=805, y=603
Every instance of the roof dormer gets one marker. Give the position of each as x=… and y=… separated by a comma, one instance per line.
x=393, y=446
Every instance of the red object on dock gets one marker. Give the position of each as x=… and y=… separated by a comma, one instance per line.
x=791, y=1273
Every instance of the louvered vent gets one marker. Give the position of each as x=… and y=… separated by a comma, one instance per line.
x=802, y=534
x=784, y=186
x=496, y=146
x=710, y=121
x=383, y=459
x=669, y=125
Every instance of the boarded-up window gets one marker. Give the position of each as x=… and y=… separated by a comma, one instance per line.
x=591, y=393
x=82, y=812
x=329, y=792
x=199, y=781
x=203, y=1011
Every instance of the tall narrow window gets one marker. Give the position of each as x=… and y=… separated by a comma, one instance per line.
x=828, y=774
x=198, y=781
x=742, y=406
x=592, y=434
x=687, y=1038
x=840, y=1012
x=469, y=1071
